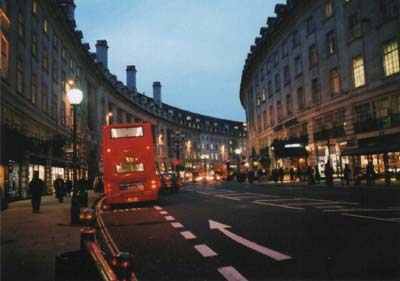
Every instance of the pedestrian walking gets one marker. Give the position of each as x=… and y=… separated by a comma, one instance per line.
x=291, y=173
x=59, y=187
x=83, y=195
x=370, y=174
x=299, y=173
x=328, y=174
x=357, y=171
x=36, y=187
x=317, y=174
x=281, y=174
x=310, y=175
x=68, y=187
x=346, y=173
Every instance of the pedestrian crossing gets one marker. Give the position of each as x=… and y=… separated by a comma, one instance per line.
x=301, y=204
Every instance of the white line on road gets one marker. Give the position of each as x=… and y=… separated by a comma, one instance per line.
x=205, y=251
x=278, y=200
x=280, y=206
x=202, y=192
x=176, y=225
x=231, y=274
x=227, y=197
x=188, y=235
x=169, y=218
x=363, y=210
x=310, y=204
x=158, y=208
x=329, y=207
x=371, y=218
x=163, y=212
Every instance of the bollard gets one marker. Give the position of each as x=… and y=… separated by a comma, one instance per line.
x=87, y=234
x=122, y=264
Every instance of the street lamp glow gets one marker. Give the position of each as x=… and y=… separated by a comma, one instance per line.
x=75, y=96
x=238, y=151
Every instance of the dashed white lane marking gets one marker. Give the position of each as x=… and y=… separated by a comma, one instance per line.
x=169, y=218
x=310, y=204
x=202, y=192
x=188, y=235
x=371, y=218
x=231, y=274
x=363, y=210
x=205, y=251
x=227, y=197
x=395, y=219
x=176, y=225
x=329, y=207
x=276, y=205
x=158, y=208
x=163, y=212
x=279, y=200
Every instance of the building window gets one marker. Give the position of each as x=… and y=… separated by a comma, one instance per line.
x=258, y=101
x=263, y=95
x=277, y=82
x=300, y=99
x=45, y=59
x=276, y=59
x=270, y=90
x=328, y=9
x=279, y=110
x=296, y=38
x=64, y=54
x=34, y=7
x=391, y=58
x=55, y=42
x=310, y=25
x=55, y=106
x=34, y=45
x=334, y=81
x=389, y=9
x=312, y=54
x=284, y=49
x=20, y=77
x=63, y=112
x=55, y=71
x=269, y=66
x=34, y=91
x=316, y=96
x=330, y=42
x=4, y=56
x=289, y=105
x=354, y=26
x=71, y=64
x=45, y=99
x=358, y=72
x=45, y=25
x=271, y=115
x=286, y=74
x=21, y=26
x=78, y=72
x=298, y=68
x=363, y=112
x=265, y=119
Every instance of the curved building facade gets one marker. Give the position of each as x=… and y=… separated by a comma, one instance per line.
x=42, y=57
x=322, y=83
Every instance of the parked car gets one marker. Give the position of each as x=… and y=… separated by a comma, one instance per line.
x=170, y=182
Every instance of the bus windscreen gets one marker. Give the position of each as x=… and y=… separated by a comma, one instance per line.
x=132, y=132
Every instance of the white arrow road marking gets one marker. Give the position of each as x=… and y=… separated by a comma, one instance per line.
x=169, y=218
x=205, y=251
x=176, y=225
x=163, y=212
x=157, y=208
x=249, y=244
x=188, y=235
x=231, y=274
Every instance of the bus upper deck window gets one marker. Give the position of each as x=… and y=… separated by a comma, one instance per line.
x=131, y=132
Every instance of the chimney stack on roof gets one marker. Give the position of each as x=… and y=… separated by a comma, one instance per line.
x=157, y=92
x=101, y=52
x=69, y=8
x=131, y=77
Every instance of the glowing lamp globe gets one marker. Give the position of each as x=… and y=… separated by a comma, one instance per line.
x=75, y=96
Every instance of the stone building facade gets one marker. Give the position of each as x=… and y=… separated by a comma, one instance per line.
x=322, y=83
x=42, y=57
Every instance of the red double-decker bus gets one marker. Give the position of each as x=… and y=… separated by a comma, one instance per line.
x=129, y=166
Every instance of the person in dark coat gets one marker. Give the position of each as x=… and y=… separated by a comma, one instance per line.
x=36, y=187
x=281, y=174
x=370, y=174
x=317, y=174
x=357, y=171
x=299, y=173
x=291, y=173
x=59, y=187
x=68, y=187
x=328, y=174
x=310, y=175
x=346, y=173
x=83, y=195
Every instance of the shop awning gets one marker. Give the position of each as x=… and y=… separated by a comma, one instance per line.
x=291, y=152
x=371, y=150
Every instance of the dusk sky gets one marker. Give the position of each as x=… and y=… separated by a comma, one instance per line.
x=195, y=48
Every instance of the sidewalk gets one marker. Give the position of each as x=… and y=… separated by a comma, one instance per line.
x=30, y=242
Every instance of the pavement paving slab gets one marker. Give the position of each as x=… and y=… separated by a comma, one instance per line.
x=30, y=242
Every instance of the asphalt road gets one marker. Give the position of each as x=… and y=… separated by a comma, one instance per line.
x=270, y=233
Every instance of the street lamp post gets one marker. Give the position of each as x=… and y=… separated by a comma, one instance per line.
x=108, y=115
x=238, y=151
x=75, y=98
